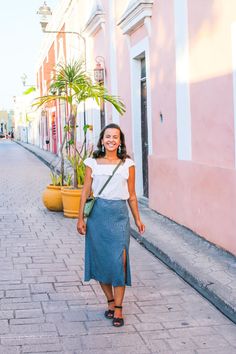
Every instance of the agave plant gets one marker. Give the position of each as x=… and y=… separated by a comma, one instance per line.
x=56, y=180
x=72, y=84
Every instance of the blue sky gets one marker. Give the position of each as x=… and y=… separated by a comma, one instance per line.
x=20, y=41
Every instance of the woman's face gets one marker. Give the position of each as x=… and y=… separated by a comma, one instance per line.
x=111, y=139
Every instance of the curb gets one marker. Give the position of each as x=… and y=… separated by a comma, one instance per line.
x=198, y=285
x=47, y=163
x=34, y=153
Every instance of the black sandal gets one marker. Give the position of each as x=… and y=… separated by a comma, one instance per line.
x=117, y=321
x=109, y=313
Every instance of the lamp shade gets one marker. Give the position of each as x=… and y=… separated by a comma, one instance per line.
x=44, y=12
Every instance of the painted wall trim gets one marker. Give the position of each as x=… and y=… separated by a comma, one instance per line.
x=184, y=137
x=113, y=59
x=137, y=50
x=95, y=23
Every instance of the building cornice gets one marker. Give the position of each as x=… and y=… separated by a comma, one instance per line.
x=137, y=13
x=95, y=22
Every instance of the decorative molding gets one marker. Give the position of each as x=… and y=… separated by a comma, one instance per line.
x=96, y=20
x=135, y=16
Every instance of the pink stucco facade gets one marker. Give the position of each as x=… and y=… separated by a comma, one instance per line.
x=189, y=103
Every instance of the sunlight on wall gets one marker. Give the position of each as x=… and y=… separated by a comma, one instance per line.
x=210, y=49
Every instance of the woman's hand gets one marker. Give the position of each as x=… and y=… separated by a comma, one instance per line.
x=140, y=226
x=81, y=227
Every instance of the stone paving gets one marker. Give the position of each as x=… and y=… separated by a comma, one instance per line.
x=209, y=269
x=45, y=307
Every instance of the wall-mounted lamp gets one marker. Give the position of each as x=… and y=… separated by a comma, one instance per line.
x=99, y=71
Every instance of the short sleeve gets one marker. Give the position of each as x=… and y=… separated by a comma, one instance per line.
x=129, y=163
x=89, y=162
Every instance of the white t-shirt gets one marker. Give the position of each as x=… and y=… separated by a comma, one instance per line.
x=117, y=188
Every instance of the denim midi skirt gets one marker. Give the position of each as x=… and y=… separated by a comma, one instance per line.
x=107, y=236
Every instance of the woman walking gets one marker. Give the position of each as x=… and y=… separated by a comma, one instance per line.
x=108, y=230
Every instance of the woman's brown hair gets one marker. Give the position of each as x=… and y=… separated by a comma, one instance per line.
x=122, y=154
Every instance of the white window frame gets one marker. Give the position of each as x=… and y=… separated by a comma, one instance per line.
x=135, y=67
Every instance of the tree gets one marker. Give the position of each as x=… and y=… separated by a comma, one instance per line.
x=72, y=84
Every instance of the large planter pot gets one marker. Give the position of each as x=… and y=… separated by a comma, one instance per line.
x=71, y=201
x=52, y=198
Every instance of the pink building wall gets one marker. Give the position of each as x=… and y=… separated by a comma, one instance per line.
x=195, y=186
x=211, y=82
x=199, y=193
x=163, y=80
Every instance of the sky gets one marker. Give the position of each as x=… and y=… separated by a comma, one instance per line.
x=20, y=41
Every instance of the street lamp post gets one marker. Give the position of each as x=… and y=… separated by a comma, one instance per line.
x=45, y=12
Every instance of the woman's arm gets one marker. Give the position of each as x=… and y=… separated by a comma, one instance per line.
x=81, y=226
x=133, y=203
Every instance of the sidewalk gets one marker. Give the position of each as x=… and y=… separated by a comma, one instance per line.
x=45, y=305
x=208, y=269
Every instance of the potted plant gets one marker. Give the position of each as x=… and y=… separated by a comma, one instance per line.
x=52, y=198
x=73, y=85
x=71, y=195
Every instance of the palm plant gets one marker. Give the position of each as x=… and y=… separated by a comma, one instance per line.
x=73, y=85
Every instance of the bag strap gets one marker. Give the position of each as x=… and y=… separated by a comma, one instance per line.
x=118, y=165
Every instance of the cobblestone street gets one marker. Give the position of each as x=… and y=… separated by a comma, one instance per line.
x=47, y=308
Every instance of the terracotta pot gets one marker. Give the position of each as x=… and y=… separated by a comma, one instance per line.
x=52, y=198
x=71, y=201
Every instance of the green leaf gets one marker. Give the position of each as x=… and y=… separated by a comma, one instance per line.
x=70, y=142
x=72, y=84
x=29, y=90
x=66, y=128
x=85, y=128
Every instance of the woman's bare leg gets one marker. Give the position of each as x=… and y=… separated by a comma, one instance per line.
x=119, y=292
x=107, y=289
